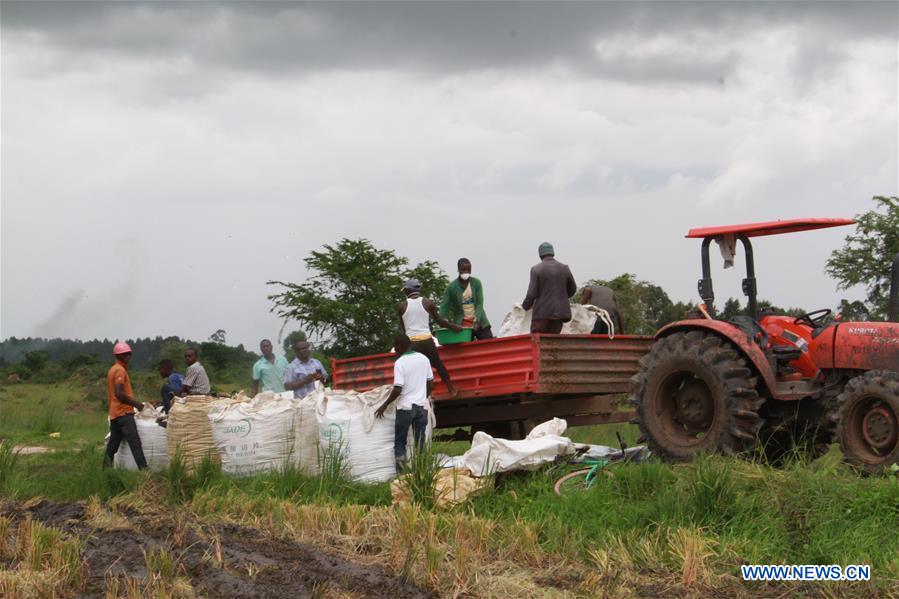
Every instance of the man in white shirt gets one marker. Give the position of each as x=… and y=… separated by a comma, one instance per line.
x=412, y=384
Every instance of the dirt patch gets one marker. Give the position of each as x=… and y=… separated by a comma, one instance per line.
x=30, y=449
x=219, y=561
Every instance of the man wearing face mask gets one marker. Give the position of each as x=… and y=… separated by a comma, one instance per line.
x=463, y=302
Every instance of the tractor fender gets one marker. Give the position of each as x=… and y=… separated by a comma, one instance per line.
x=736, y=337
x=866, y=346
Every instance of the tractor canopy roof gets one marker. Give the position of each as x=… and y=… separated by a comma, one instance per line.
x=775, y=227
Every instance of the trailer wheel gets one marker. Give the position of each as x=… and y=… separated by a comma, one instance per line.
x=695, y=393
x=868, y=426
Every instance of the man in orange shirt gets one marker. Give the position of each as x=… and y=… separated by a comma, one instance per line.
x=121, y=408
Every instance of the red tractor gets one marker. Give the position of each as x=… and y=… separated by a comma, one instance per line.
x=770, y=383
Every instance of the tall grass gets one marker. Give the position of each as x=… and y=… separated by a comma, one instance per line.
x=9, y=456
x=419, y=476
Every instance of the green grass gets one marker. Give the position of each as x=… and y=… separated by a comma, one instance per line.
x=29, y=413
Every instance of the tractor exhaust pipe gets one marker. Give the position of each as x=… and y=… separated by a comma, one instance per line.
x=894, y=291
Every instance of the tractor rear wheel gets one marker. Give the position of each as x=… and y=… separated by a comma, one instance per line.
x=695, y=393
x=868, y=425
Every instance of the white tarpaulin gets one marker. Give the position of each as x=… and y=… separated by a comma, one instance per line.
x=256, y=435
x=152, y=440
x=518, y=321
x=489, y=455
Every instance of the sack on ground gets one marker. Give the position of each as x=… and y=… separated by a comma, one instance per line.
x=189, y=430
x=489, y=455
x=452, y=486
x=255, y=435
x=351, y=436
x=152, y=440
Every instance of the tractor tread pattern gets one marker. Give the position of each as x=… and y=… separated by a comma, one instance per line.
x=737, y=430
x=885, y=382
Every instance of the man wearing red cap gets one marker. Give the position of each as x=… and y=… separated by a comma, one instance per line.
x=121, y=408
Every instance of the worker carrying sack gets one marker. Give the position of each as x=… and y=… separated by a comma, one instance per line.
x=152, y=440
x=255, y=435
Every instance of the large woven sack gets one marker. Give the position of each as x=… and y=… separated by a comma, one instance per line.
x=189, y=430
x=152, y=440
x=256, y=435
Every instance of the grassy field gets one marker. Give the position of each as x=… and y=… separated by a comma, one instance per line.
x=650, y=529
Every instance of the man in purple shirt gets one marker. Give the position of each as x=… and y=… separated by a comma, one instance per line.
x=302, y=373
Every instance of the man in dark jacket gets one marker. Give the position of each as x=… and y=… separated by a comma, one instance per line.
x=463, y=302
x=603, y=297
x=551, y=285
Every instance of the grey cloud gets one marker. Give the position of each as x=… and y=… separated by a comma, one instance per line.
x=433, y=38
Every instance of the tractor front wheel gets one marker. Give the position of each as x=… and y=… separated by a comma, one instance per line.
x=868, y=424
x=695, y=393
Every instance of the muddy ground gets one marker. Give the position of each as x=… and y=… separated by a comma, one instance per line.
x=218, y=560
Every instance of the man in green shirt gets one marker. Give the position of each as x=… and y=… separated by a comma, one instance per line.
x=269, y=370
x=463, y=302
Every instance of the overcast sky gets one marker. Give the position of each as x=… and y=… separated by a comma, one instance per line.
x=161, y=162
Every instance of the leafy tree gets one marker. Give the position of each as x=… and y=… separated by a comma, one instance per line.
x=732, y=308
x=35, y=361
x=853, y=311
x=218, y=336
x=868, y=254
x=173, y=349
x=348, y=301
x=644, y=306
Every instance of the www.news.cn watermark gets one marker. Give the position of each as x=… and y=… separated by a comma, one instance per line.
x=806, y=572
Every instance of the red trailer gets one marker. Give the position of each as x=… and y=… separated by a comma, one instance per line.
x=509, y=382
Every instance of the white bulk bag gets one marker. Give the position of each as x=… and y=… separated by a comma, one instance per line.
x=254, y=436
x=518, y=321
x=152, y=440
x=348, y=427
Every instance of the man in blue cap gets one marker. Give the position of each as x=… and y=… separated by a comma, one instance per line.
x=415, y=313
x=551, y=285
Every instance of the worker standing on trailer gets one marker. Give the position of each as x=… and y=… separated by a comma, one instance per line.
x=412, y=385
x=269, y=369
x=302, y=373
x=603, y=297
x=415, y=314
x=196, y=381
x=463, y=302
x=551, y=285
x=122, y=404
x=172, y=384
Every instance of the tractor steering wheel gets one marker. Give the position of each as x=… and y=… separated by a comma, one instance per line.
x=814, y=319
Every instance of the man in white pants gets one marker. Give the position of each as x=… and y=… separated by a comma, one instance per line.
x=412, y=383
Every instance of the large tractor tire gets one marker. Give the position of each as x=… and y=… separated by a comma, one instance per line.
x=868, y=421
x=696, y=394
